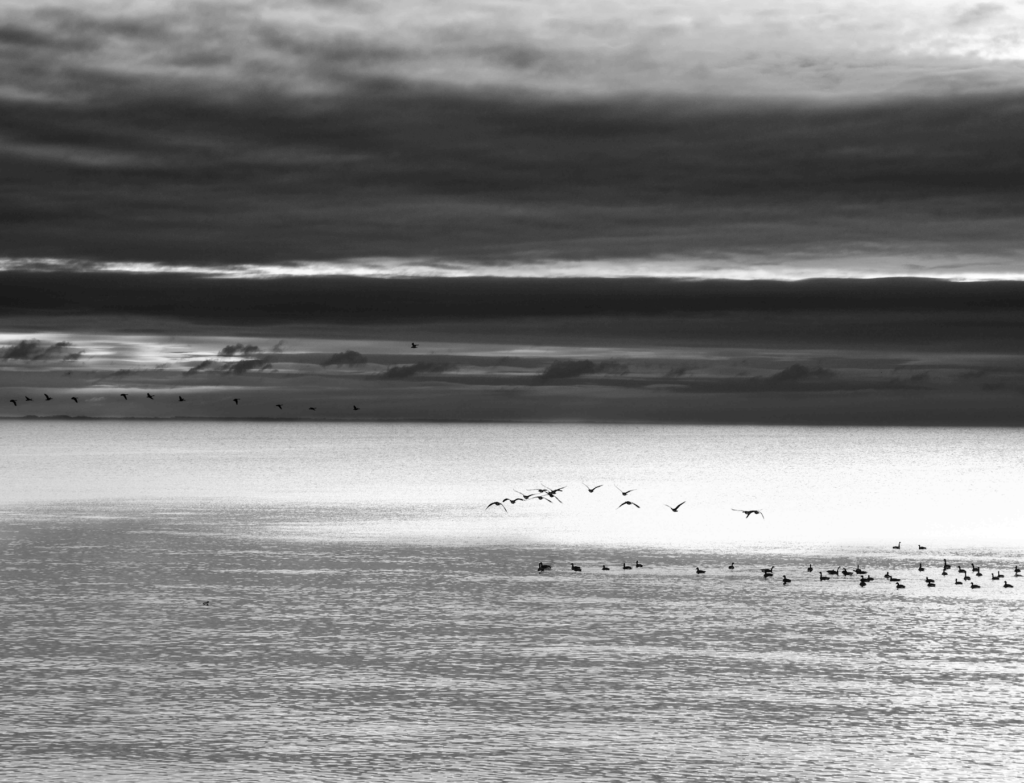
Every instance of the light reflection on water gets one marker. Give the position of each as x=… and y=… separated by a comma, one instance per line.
x=327, y=658
x=383, y=625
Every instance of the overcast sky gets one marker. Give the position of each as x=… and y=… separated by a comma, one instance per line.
x=740, y=139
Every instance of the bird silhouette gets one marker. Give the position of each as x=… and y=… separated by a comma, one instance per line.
x=700, y=571
x=28, y=399
x=748, y=512
x=355, y=407
x=124, y=395
x=312, y=409
x=639, y=564
x=149, y=396
x=732, y=566
x=75, y=399
x=14, y=403
x=591, y=489
x=414, y=345
x=921, y=547
x=543, y=567
x=180, y=398
x=279, y=405
x=575, y=567
x=497, y=503
x=605, y=568
x=626, y=567
x=786, y=580
x=47, y=396
x=675, y=509
x=898, y=545
x=822, y=577
x=234, y=400
x=625, y=491
x=628, y=503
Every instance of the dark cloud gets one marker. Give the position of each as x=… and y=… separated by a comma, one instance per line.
x=395, y=171
x=207, y=364
x=574, y=368
x=38, y=351
x=344, y=358
x=238, y=349
x=799, y=372
x=408, y=370
x=240, y=368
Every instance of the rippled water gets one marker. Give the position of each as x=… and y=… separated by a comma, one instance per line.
x=396, y=630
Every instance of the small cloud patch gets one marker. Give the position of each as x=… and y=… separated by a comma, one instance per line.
x=344, y=358
x=38, y=351
x=242, y=367
x=408, y=370
x=799, y=372
x=239, y=349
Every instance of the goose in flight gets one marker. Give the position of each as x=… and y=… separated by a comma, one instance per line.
x=47, y=396
x=124, y=395
x=312, y=409
x=355, y=407
x=234, y=400
x=628, y=503
x=279, y=405
x=748, y=512
x=414, y=345
x=149, y=396
x=675, y=509
x=28, y=399
x=625, y=492
x=14, y=403
x=180, y=398
x=591, y=489
x=497, y=503
x=75, y=399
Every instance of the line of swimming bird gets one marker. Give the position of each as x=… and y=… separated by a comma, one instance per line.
x=236, y=400
x=865, y=577
x=550, y=495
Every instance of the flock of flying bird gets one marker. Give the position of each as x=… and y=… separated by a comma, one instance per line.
x=549, y=495
x=236, y=400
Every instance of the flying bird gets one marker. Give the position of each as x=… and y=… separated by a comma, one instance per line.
x=14, y=403
x=748, y=512
x=497, y=503
x=180, y=398
x=675, y=509
x=355, y=407
x=28, y=399
x=124, y=395
x=75, y=399
x=628, y=503
x=312, y=409
x=625, y=492
x=591, y=489
x=279, y=405
x=149, y=396
x=47, y=396
x=414, y=345
x=235, y=400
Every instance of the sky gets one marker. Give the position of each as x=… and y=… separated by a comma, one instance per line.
x=645, y=186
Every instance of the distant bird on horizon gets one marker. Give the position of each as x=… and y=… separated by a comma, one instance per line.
x=748, y=512
x=626, y=567
x=149, y=396
x=497, y=503
x=732, y=566
x=628, y=503
x=700, y=571
x=235, y=400
x=28, y=399
x=786, y=580
x=921, y=547
x=898, y=545
x=414, y=345
x=180, y=398
x=312, y=409
x=75, y=399
x=575, y=567
x=14, y=403
x=675, y=509
x=355, y=407
x=47, y=396
x=624, y=491
x=591, y=489
x=124, y=395
x=279, y=405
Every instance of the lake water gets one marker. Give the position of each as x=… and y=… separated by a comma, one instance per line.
x=369, y=618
